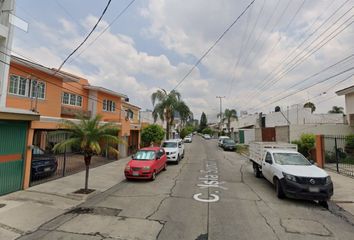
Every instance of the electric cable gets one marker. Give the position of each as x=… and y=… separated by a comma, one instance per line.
x=89, y=34
x=213, y=45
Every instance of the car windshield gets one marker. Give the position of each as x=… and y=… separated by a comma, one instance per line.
x=290, y=159
x=169, y=144
x=145, y=155
x=229, y=141
x=37, y=151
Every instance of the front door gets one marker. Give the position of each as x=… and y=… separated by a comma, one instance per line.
x=12, y=149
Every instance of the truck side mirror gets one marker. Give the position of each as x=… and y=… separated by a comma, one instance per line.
x=312, y=161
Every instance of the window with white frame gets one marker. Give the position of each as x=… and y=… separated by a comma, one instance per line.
x=26, y=87
x=18, y=85
x=71, y=99
x=129, y=114
x=109, y=106
x=37, y=89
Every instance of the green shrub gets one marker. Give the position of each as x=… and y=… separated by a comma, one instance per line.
x=349, y=145
x=152, y=134
x=305, y=144
x=207, y=131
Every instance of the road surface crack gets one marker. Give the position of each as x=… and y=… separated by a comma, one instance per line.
x=170, y=194
x=12, y=229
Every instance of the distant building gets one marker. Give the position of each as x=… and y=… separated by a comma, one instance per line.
x=349, y=102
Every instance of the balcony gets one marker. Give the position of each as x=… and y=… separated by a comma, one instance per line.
x=72, y=112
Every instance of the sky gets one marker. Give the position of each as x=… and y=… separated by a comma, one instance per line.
x=276, y=54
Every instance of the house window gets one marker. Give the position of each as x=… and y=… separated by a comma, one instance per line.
x=26, y=87
x=18, y=85
x=65, y=99
x=130, y=114
x=37, y=89
x=109, y=105
x=78, y=101
x=71, y=99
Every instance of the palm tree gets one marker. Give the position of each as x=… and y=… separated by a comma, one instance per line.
x=166, y=104
x=310, y=105
x=91, y=136
x=228, y=115
x=336, y=109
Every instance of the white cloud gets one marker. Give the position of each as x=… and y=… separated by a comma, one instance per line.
x=187, y=31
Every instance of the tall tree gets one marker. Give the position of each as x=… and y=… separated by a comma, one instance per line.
x=310, y=105
x=203, y=122
x=165, y=105
x=229, y=114
x=277, y=109
x=336, y=109
x=90, y=136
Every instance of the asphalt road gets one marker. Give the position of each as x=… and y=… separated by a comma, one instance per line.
x=211, y=194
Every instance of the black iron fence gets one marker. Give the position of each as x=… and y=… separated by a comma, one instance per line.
x=339, y=155
x=47, y=165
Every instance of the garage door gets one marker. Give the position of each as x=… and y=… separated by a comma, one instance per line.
x=12, y=148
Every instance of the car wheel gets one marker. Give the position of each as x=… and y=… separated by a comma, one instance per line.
x=164, y=167
x=323, y=203
x=178, y=159
x=279, y=189
x=153, y=176
x=256, y=171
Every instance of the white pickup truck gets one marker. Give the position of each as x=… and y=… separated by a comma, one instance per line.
x=290, y=172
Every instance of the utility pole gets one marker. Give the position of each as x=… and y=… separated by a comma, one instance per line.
x=220, y=98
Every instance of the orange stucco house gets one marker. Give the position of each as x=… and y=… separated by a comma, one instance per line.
x=60, y=95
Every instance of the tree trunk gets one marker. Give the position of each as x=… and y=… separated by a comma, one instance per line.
x=87, y=164
x=167, y=130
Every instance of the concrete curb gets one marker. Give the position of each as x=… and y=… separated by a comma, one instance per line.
x=50, y=200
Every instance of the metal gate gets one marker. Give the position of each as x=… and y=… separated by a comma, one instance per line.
x=268, y=134
x=339, y=156
x=62, y=164
x=12, y=149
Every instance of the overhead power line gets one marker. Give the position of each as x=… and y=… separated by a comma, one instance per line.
x=292, y=65
x=308, y=37
x=315, y=74
x=244, y=47
x=278, y=68
x=213, y=45
x=70, y=90
x=312, y=85
x=92, y=30
x=104, y=30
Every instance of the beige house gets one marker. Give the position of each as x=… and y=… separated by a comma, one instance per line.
x=349, y=102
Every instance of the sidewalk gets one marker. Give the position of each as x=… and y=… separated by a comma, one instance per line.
x=343, y=191
x=24, y=211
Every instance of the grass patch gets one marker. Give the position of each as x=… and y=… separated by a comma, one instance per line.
x=242, y=149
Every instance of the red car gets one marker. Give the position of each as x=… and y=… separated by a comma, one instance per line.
x=146, y=163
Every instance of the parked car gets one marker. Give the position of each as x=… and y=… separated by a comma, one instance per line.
x=43, y=164
x=174, y=150
x=188, y=139
x=146, y=163
x=206, y=136
x=220, y=139
x=291, y=173
x=228, y=144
